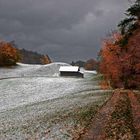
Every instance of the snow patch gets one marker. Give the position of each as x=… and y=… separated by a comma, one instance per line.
x=27, y=70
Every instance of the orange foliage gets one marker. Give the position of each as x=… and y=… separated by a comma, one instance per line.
x=110, y=60
x=8, y=54
x=121, y=65
x=45, y=60
x=91, y=64
x=104, y=85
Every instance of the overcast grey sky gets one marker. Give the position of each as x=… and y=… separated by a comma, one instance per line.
x=64, y=29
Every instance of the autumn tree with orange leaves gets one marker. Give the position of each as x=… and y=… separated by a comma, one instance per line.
x=8, y=54
x=110, y=60
x=120, y=54
x=45, y=60
x=91, y=64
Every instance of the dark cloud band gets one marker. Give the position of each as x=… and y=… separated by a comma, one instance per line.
x=65, y=29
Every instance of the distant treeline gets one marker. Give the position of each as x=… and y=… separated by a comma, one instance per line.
x=30, y=57
x=10, y=55
x=90, y=64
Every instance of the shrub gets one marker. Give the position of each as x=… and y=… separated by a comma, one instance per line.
x=8, y=54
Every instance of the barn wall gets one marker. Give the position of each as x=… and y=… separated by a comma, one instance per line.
x=76, y=74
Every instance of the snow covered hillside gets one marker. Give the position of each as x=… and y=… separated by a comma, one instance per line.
x=24, y=70
x=36, y=95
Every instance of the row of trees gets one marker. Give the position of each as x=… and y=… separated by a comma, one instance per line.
x=10, y=55
x=120, y=54
x=90, y=64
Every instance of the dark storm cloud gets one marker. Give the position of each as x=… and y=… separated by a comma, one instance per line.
x=65, y=29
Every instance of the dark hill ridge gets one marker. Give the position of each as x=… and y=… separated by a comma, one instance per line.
x=30, y=57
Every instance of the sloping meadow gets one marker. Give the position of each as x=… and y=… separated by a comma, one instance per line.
x=48, y=107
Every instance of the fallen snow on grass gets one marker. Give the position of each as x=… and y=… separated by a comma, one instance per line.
x=21, y=91
x=26, y=70
x=36, y=107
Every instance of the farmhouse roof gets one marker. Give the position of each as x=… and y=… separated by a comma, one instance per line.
x=69, y=69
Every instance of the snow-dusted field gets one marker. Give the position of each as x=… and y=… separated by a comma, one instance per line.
x=35, y=99
x=26, y=70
